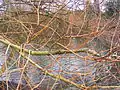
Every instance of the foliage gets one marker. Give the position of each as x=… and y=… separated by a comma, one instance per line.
x=112, y=8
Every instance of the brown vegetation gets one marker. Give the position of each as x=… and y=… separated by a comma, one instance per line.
x=46, y=45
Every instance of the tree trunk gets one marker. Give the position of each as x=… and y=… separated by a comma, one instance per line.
x=96, y=7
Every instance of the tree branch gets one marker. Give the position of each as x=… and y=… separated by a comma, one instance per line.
x=86, y=50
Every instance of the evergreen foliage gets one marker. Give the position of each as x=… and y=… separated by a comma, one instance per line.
x=112, y=8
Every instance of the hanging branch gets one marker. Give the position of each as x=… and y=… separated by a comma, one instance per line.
x=86, y=50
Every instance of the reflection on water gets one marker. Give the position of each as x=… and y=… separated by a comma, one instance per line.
x=67, y=65
x=2, y=54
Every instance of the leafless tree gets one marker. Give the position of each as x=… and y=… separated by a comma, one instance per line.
x=53, y=44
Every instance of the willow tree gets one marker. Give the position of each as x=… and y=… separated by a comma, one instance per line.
x=36, y=32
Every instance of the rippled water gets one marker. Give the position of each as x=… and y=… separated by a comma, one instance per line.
x=69, y=63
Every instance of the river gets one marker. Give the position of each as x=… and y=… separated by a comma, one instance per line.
x=68, y=65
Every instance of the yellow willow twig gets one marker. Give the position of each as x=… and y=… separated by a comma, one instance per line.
x=47, y=25
x=96, y=87
x=45, y=28
x=50, y=74
x=5, y=41
x=22, y=73
x=108, y=86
